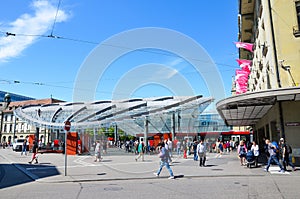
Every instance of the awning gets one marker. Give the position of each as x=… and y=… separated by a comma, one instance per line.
x=248, y=108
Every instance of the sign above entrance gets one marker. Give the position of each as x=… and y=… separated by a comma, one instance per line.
x=292, y=123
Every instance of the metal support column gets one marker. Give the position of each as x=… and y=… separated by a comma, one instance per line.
x=146, y=123
x=173, y=126
x=116, y=134
x=37, y=134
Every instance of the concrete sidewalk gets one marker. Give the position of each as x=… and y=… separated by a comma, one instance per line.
x=118, y=165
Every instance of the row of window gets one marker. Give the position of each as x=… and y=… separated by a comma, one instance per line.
x=8, y=124
x=9, y=128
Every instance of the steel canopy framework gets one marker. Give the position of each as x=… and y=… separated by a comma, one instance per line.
x=129, y=115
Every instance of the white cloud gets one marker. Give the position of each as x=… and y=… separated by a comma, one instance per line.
x=173, y=63
x=40, y=22
x=176, y=62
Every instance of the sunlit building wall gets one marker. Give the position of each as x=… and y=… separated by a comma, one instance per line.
x=273, y=28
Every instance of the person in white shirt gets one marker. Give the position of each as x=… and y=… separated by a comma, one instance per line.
x=255, y=150
x=97, y=151
x=201, y=150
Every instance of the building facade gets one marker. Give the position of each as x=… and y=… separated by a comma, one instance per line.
x=272, y=99
x=13, y=127
x=273, y=27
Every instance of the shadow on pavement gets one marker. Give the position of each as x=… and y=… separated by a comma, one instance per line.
x=16, y=174
x=210, y=165
x=42, y=170
x=178, y=176
x=11, y=176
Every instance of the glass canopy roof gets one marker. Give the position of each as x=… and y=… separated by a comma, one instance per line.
x=129, y=115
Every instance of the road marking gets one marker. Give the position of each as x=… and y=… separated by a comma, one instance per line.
x=80, y=161
x=275, y=170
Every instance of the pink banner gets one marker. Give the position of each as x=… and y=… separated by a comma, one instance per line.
x=241, y=81
x=244, y=62
x=242, y=72
x=244, y=45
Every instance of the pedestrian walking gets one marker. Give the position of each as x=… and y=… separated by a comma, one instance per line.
x=104, y=146
x=164, y=161
x=170, y=147
x=24, y=147
x=272, y=149
x=167, y=147
x=194, y=146
x=178, y=148
x=255, y=150
x=221, y=148
x=141, y=150
x=286, y=150
x=97, y=151
x=184, y=147
x=34, y=153
x=217, y=148
x=242, y=151
x=201, y=150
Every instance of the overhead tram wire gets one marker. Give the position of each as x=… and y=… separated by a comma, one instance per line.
x=55, y=18
x=111, y=45
x=6, y=81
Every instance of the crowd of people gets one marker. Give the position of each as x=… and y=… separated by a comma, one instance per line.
x=248, y=153
x=278, y=153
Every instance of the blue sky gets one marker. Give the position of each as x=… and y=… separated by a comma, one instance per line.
x=38, y=66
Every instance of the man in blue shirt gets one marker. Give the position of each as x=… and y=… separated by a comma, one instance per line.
x=273, y=156
x=164, y=161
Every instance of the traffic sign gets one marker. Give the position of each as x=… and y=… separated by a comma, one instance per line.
x=67, y=125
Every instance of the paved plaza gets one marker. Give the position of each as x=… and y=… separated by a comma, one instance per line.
x=119, y=170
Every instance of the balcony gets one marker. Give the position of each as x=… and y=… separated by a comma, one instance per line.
x=296, y=31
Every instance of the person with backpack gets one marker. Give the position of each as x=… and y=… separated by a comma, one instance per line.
x=272, y=149
x=286, y=150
